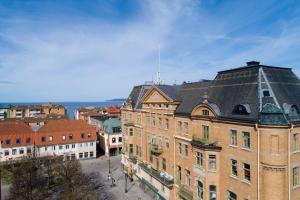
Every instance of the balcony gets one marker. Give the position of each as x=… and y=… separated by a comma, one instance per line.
x=132, y=158
x=161, y=177
x=205, y=144
x=185, y=193
x=156, y=149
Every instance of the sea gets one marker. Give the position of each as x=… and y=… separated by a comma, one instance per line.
x=71, y=107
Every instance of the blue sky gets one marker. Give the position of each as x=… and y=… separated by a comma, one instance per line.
x=63, y=50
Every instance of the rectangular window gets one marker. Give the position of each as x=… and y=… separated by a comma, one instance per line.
x=179, y=148
x=231, y=195
x=80, y=155
x=212, y=192
x=14, y=151
x=18, y=141
x=60, y=147
x=159, y=122
x=186, y=150
x=21, y=151
x=82, y=135
x=91, y=154
x=205, y=112
x=86, y=154
x=153, y=121
x=233, y=137
x=296, y=140
x=212, y=165
x=136, y=150
x=178, y=174
x=6, y=153
x=295, y=176
x=28, y=140
x=199, y=159
x=167, y=124
x=234, y=167
x=63, y=137
x=67, y=146
x=205, y=131
x=120, y=139
x=91, y=144
x=113, y=140
x=71, y=136
x=247, y=172
x=164, y=164
x=131, y=131
x=140, y=151
x=131, y=149
x=187, y=178
x=43, y=139
x=167, y=140
x=139, y=121
x=7, y=141
x=50, y=138
x=185, y=127
x=246, y=138
x=73, y=146
x=179, y=126
x=89, y=135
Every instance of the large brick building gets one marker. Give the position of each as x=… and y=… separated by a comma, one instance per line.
x=234, y=137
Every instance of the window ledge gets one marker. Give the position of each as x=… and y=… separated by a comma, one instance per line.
x=246, y=149
x=234, y=177
x=246, y=181
x=212, y=170
x=295, y=152
x=296, y=187
x=233, y=146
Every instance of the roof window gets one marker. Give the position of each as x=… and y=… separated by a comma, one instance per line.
x=241, y=109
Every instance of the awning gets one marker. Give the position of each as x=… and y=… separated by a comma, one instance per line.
x=152, y=188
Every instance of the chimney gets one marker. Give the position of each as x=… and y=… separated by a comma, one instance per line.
x=253, y=63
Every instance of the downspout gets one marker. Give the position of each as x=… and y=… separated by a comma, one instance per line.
x=289, y=161
x=258, y=161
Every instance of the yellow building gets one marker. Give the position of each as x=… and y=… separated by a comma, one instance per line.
x=234, y=137
x=21, y=111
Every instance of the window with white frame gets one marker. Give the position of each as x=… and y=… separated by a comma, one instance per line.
x=231, y=195
x=199, y=159
x=296, y=142
x=187, y=178
x=247, y=172
x=234, y=167
x=295, y=176
x=212, y=162
x=233, y=137
x=246, y=139
x=199, y=190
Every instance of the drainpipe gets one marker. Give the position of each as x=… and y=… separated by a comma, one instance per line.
x=258, y=161
x=289, y=161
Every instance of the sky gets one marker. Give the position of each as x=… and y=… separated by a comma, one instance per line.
x=74, y=50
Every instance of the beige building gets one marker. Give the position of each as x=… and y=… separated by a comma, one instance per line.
x=22, y=111
x=234, y=137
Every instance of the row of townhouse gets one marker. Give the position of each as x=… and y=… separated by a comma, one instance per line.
x=234, y=137
x=68, y=138
x=22, y=111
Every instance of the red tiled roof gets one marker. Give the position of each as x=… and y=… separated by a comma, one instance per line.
x=66, y=125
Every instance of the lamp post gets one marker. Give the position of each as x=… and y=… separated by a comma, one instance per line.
x=125, y=182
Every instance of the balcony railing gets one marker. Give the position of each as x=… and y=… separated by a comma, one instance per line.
x=205, y=144
x=161, y=177
x=185, y=193
x=156, y=149
x=132, y=158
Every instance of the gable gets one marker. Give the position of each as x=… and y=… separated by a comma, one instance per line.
x=155, y=96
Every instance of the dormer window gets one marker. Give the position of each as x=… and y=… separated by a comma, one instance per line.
x=266, y=93
x=241, y=109
x=293, y=111
x=205, y=112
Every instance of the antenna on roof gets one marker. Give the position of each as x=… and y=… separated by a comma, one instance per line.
x=158, y=80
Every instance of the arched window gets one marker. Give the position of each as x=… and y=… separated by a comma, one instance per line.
x=199, y=190
x=241, y=109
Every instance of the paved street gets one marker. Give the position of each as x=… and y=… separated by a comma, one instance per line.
x=97, y=169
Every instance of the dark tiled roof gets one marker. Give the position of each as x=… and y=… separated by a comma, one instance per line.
x=240, y=86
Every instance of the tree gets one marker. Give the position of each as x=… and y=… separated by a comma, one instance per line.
x=71, y=182
x=27, y=182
